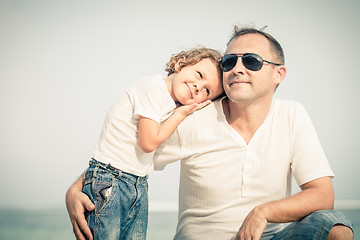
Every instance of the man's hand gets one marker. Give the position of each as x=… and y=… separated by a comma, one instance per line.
x=77, y=202
x=189, y=109
x=253, y=226
x=316, y=195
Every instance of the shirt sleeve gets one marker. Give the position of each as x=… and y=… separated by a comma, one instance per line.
x=309, y=161
x=148, y=100
x=168, y=152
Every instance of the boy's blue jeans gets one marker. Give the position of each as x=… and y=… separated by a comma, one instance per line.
x=121, y=203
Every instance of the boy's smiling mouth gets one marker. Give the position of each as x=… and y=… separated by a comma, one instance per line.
x=189, y=90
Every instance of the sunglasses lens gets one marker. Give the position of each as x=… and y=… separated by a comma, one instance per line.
x=228, y=62
x=252, y=62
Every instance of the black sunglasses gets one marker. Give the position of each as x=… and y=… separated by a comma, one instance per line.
x=251, y=61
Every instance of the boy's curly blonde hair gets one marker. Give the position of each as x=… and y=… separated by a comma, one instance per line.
x=191, y=57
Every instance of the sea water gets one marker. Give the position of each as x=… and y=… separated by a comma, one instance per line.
x=54, y=224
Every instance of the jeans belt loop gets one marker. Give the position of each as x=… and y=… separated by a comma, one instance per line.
x=95, y=170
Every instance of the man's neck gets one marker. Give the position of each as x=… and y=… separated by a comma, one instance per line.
x=246, y=118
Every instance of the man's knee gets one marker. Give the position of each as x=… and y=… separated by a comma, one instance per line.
x=340, y=232
x=331, y=223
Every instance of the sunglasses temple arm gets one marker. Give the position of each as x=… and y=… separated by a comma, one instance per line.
x=277, y=64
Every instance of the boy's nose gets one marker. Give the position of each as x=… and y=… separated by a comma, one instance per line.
x=198, y=88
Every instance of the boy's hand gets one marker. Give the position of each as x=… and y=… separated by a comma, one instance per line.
x=189, y=109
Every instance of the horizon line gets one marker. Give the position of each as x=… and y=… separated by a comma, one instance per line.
x=168, y=206
x=340, y=204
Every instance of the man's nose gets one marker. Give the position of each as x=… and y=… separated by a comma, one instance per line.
x=239, y=67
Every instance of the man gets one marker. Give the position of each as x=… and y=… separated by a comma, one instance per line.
x=238, y=156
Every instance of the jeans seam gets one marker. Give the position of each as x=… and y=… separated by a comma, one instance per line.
x=136, y=198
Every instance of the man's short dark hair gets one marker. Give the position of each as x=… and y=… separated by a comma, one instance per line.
x=275, y=45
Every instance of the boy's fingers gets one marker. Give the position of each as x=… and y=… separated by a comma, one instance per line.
x=203, y=104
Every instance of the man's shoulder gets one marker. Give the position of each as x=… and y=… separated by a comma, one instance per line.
x=288, y=110
x=213, y=108
x=210, y=114
x=286, y=105
x=285, y=102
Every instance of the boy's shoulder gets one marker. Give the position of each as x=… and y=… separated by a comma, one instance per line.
x=148, y=81
x=148, y=85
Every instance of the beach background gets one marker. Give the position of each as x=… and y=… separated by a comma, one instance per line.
x=55, y=225
x=63, y=63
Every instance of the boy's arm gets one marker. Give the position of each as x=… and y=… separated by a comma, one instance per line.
x=151, y=135
x=76, y=203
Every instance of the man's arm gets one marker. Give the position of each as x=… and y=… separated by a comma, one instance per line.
x=76, y=203
x=315, y=195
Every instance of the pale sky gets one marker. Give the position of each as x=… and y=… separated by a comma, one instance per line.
x=63, y=63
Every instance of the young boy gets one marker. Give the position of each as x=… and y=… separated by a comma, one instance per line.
x=138, y=122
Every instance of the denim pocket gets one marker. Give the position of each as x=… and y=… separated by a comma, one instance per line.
x=88, y=178
x=98, y=185
x=102, y=193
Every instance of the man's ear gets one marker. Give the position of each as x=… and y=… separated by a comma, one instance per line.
x=280, y=74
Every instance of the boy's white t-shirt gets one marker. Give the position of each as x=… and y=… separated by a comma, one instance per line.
x=118, y=144
x=223, y=178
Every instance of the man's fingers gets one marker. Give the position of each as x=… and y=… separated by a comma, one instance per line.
x=80, y=226
x=77, y=232
x=84, y=228
x=86, y=202
x=80, y=217
x=90, y=207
